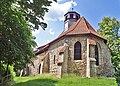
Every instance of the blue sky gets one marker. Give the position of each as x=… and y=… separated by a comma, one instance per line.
x=92, y=10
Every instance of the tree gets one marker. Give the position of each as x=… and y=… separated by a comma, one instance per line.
x=17, y=19
x=110, y=29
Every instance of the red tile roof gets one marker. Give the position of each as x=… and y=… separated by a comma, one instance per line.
x=81, y=27
x=41, y=49
x=91, y=41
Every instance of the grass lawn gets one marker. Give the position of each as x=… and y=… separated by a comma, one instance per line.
x=67, y=80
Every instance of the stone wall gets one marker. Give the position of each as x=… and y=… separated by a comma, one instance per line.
x=79, y=66
x=105, y=66
x=69, y=65
x=54, y=55
x=65, y=59
x=92, y=61
x=40, y=65
x=46, y=63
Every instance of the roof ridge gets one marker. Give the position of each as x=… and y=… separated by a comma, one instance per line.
x=87, y=25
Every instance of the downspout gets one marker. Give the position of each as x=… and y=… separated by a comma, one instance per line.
x=88, y=61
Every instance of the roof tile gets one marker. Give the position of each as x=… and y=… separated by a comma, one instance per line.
x=81, y=27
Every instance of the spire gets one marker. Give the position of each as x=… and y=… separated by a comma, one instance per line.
x=72, y=5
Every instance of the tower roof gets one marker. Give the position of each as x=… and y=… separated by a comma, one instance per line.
x=81, y=27
x=71, y=12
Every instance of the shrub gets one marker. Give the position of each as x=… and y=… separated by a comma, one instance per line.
x=7, y=80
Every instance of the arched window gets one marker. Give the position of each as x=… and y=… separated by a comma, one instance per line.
x=96, y=55
x=77, y=51
x=54, y=59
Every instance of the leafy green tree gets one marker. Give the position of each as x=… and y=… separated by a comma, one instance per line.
x=110, y=29
x=17, y=20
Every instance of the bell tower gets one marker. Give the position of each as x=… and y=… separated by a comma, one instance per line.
x=70, y=18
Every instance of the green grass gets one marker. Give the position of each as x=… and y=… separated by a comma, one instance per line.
x=67, y=80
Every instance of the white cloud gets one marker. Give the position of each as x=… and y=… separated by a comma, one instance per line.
x=57, y=11
x=59, y=0
x=51, y=31
x=37, y=32
x=74, y=3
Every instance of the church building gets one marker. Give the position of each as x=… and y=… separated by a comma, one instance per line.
x=79, y=49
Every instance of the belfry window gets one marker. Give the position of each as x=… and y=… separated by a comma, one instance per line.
x=71, y=15
x=96, y=55
x=77, y=51
x=77, y=17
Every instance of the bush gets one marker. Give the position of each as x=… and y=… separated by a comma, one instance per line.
x=117, y=74
x=7, y=80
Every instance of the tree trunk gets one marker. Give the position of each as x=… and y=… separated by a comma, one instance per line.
x=0, y=72
x=7, y=71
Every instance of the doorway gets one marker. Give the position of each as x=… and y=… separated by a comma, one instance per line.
x=39, y=69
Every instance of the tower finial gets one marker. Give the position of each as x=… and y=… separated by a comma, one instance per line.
x=72, y=4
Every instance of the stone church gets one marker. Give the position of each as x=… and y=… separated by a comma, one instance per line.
x=79, y=49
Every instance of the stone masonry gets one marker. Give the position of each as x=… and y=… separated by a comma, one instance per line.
x=58, y=56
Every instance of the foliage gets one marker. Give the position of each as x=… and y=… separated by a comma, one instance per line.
x=110, y=29
x=17, y=20
x=7, y=80
x=10, y=69
x=34, y=10
x=67, y=80
x=15, y=37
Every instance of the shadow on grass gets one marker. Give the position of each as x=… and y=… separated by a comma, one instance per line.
x=37, y=82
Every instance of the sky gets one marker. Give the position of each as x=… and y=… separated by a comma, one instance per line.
x=92, y=10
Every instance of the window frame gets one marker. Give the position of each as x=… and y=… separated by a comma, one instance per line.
x=54, y=59
x=71, y=15
x=77, y=51
x=97, y=55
